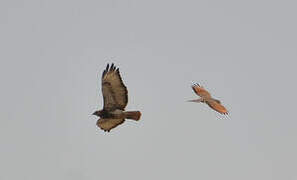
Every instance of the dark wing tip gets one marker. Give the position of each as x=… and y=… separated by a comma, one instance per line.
x=105, y=70
x=196, y=84
x=118, y=71
x=225, y=113
x=113, y=67
x=107, y=67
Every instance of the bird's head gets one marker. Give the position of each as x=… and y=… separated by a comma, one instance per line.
x=97, y=113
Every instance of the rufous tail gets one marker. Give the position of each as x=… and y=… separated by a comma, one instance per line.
x=135, y=115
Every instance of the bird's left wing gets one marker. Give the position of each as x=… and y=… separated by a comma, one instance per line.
x=108, y=124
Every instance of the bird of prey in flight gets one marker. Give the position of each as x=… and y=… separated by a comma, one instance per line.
x=115, y=97
x=205, y=97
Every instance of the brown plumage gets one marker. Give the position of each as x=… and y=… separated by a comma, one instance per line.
x=205, y=97
x=115, y=97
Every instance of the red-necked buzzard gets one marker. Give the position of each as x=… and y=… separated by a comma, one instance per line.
x=115, y=97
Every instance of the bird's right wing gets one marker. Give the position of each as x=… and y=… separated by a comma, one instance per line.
x=200, y=91
x=108, y=124
x=110, y=103
x=217, y=106
x=115, y=93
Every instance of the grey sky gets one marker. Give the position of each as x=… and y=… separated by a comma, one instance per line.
x=243, y=52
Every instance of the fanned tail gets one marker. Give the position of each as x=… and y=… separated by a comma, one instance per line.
x=135, y=115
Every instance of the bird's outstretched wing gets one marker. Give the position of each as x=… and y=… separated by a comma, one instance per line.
x=217, y=106
x=115, y=93
x=108, y=124
x=200, y=91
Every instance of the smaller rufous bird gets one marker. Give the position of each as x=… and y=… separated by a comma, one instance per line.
x=205, y=97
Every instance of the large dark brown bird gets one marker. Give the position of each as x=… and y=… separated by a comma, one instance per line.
x=205, y=97
x=115, y=97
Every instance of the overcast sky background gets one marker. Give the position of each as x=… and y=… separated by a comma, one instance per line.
x=53, y=54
